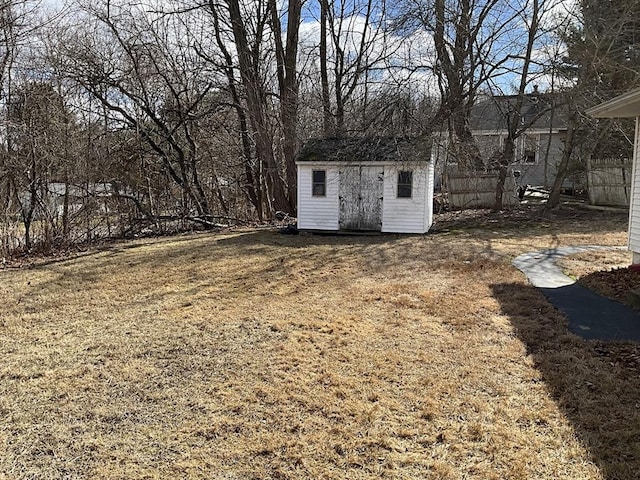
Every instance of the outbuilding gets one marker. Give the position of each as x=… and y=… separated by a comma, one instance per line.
x=628, y=106
x=382, y=184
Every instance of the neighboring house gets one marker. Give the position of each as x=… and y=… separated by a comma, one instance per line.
x=538, y=150
x=628, y=106
x=365, y=184
x=55, y=194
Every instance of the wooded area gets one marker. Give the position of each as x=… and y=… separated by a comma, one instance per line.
x=121, y=116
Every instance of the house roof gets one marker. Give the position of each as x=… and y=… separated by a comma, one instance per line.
x=623, y=106
x=365, y=149
x=537, y=113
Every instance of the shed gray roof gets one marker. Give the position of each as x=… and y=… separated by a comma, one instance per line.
x=365, y=149
x=536, y=112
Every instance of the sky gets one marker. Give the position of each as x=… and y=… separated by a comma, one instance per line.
x=408, y=52
x=53, y=4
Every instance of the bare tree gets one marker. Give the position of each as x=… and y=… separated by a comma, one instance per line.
x=516, y=123
x=137, y=65
x=489, y=46
x=252, y=184
x=354, y=43
x=469, y=39
x=256, y=32
x=18, y=24
x=286, y=64
x=601, y=61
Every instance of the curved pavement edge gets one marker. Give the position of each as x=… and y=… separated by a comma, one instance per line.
x=590, y=315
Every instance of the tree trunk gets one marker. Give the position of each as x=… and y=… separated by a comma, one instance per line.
x=570, y=142
x=465, y=147
x=456, y=101
x=287, y=57
x=256, y=105
x=327, y=119
x=561, y=172
x=506, y=158
x=65, y=211
x=252, y=186
x=514, y=120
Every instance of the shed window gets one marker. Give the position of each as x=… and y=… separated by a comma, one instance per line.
x=405, y=182
x=319, y=188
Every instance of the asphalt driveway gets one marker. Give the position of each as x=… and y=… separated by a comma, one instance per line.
x=590, y=315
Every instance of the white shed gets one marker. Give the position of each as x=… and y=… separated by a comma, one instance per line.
x=628, y=106
x=366, y=184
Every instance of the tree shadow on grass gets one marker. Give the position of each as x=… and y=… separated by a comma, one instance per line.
x=598, y=395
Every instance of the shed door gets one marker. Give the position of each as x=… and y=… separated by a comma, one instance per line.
x=361, y=198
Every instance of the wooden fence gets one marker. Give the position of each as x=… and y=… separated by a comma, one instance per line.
x=609, y=181
x=478, y=190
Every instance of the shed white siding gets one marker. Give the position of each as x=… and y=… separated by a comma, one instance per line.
x=407, y=215
x=634, y=210
x=399, y=215
x=317, y=213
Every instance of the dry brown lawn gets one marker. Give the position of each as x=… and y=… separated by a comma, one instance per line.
x=253, y=355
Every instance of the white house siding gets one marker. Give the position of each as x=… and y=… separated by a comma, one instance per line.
x=634, y=210
x=317, y=213
x=548, y=148
x=406, y=215
x=548, y=157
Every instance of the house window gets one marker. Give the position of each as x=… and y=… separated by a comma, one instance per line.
x=405, y=182
x=529, y=149
x=529, y=157
x=319, y=188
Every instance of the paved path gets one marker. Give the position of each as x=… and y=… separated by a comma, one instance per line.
x=590, y=315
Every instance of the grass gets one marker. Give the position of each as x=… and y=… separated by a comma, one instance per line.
x=252, y=355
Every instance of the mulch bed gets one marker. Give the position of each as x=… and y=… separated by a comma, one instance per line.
x=615, y=284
